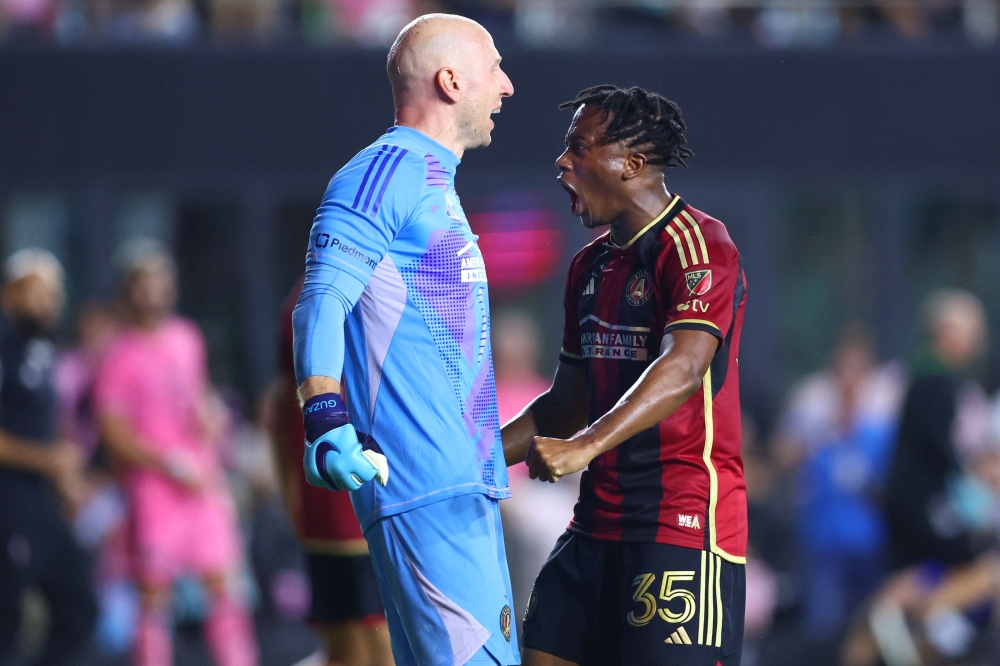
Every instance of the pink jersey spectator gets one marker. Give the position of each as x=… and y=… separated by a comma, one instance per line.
x=156, y=381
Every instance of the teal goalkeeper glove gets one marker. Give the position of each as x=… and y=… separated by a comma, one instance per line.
x=336, y=461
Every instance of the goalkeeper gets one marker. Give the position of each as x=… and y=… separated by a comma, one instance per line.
x=395, y=300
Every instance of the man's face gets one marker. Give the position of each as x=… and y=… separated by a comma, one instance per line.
x=152, y=290
x=591, y=169
x=35, y=299
x=488, y=85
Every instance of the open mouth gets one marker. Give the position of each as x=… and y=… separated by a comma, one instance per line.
x=573, y=196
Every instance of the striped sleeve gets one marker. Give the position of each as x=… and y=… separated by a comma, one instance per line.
x=366, y=205
x=698, y=267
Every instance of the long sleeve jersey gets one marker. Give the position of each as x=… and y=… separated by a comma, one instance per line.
x=395, y=301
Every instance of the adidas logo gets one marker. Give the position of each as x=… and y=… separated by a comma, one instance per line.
x=679, y=637
x=589, y=290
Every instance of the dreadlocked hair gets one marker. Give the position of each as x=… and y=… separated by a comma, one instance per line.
x=641, y=119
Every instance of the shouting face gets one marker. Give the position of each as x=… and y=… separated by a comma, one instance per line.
x=592, y=169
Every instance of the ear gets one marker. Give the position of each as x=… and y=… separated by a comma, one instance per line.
x=449, y=85
x=635, y=164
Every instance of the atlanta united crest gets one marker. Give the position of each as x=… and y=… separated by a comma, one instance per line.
x=505, y=622
x=639, y=288
x=698, y=282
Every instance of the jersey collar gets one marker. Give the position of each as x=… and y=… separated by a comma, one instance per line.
x=672, y=208
x=447, y=158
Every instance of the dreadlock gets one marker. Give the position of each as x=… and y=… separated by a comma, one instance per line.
x=640, y=118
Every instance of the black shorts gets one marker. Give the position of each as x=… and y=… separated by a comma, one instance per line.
x=344, y=589
x=604, y=603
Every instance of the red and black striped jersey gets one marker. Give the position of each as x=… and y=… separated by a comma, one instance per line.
x=680, y=482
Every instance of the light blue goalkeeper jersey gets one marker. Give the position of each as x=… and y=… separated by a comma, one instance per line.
x=395, y=301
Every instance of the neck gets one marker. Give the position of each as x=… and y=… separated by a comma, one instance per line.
x=148, y=321
x=437, y=125
x=641, y=209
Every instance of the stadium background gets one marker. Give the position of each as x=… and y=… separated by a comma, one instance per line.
x=852, y=149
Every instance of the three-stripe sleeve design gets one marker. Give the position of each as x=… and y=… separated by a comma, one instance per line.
x=685, y=232
x=366, y=200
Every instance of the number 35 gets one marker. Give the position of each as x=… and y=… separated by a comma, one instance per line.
x=643, y=596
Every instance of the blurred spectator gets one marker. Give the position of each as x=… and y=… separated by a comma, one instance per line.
x=346, y=605
x=246, y=19
x=152, y=406
x=538, y=24
x=933, y=435
x=76, y=371
x=765, y=514
x=37, y=469
x=100, y=523
x=837, y=435
x=940, y=503
x=537, y=513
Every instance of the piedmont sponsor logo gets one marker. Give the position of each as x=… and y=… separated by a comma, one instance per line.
x=626, y=346
x=327, y=241
x=473, y=269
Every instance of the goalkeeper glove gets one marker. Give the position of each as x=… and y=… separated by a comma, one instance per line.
x=334, y=457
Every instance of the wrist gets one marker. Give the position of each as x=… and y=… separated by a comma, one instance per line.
x=323, y=413
x=592, y=443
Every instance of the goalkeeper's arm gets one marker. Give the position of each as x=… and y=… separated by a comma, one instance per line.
x=333, y=457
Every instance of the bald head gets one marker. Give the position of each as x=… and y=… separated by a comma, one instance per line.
x=431, y=43
x=446, y=79
x=32, y=292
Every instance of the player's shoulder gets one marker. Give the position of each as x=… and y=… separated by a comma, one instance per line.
x=715, y=232
x=586, y=256
x=391, y=159
x=591, y=250
x=697, y=238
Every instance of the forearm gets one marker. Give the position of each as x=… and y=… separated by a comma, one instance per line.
x=559, y=412
x=661, y=390
x=665, y=385
x=18, y=454
x=123, y=445
x=328, y=295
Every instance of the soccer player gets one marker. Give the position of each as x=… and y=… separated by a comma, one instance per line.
x=37, y=469
x=346, y=609
x=650, y=570
x=395, y=300
x=150, y=401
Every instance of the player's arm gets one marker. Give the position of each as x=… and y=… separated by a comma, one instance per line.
x=666, y=385
x=559, y=412
x=347, y=241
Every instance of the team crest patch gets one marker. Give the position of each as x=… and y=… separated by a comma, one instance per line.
x=639, y=289
x=505, y=622
x=698, y=282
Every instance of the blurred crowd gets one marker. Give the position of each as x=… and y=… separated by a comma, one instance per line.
x=875, y=505
x=560, y=24
x=149, y=513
